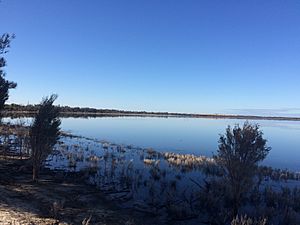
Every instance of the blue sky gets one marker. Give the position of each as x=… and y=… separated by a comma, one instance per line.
x=160, y=55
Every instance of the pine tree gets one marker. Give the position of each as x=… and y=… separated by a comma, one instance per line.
x=5, y=85
x=44, y=133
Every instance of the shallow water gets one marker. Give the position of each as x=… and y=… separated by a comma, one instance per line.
x=188, y=135
x=163, y=184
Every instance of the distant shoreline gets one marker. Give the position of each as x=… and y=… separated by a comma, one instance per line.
x=16, y=114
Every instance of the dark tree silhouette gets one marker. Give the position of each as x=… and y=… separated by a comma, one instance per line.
x=5, y=85
x=240, y=151
x=44, y=133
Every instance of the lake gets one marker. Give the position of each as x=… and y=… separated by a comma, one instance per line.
x=117, y=155
x=188, y=135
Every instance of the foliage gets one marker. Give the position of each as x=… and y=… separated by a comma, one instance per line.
x=5, y=85
x=44, y=133
x=240, y=151
x=213, y=202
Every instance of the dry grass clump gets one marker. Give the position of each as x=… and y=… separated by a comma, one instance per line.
x=188, y=161
x=244, y=220
x=151, y=162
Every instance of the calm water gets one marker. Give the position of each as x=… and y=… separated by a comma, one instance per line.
x=188, y=135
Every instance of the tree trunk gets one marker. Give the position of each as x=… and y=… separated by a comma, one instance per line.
x=35, y=173
x=236, y=203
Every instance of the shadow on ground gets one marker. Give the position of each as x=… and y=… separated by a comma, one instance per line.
x=55, y=199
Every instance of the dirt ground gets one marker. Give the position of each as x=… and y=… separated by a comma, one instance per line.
x=56, y=199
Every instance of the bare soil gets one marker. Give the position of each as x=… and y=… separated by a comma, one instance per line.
x=57, y=198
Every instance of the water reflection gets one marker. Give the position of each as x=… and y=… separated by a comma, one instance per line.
x=187, y=135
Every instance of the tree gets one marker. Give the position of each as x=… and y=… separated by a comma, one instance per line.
x=5, y=85
x=44, y=133
x=240, y=151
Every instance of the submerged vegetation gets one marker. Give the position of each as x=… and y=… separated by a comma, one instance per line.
x=180, y=187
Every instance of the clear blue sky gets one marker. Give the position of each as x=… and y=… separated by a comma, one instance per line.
x=159, y=55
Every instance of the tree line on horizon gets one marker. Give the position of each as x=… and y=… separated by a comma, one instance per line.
x=19, y=110
x=34, y=107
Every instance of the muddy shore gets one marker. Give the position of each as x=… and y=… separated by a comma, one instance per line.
x=58, y=198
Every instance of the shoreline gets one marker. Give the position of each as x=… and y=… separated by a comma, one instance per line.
x=111, y=183
x=16, y=114
x=171, y=152
x=57, y=198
